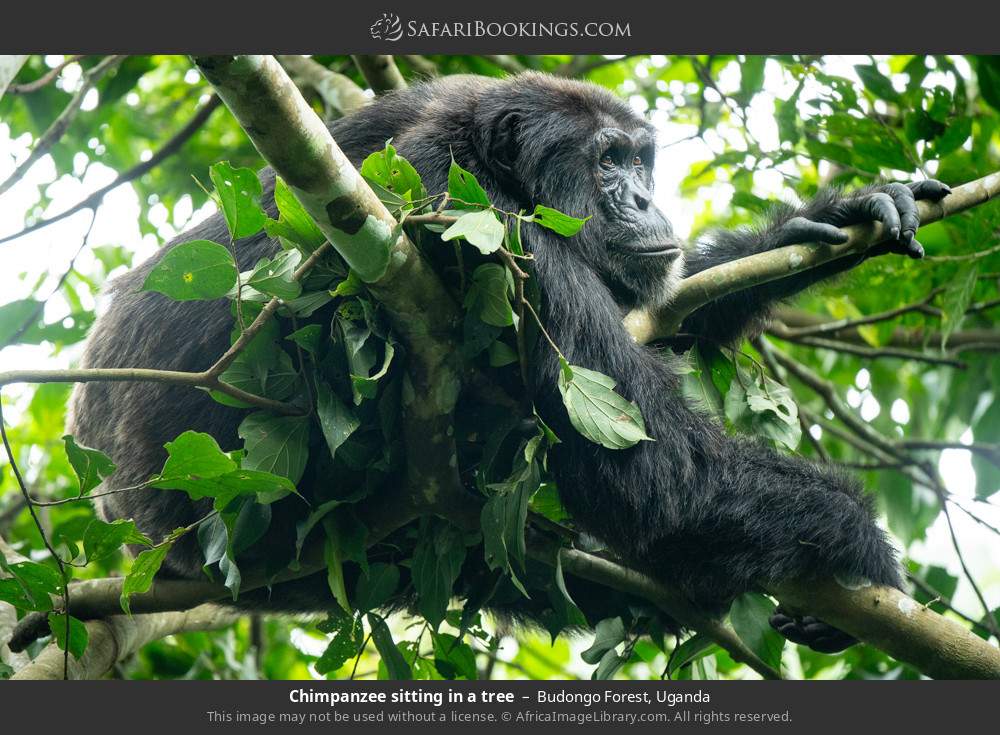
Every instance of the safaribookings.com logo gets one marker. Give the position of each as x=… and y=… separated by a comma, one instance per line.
x=387, y=28
x=390, y=28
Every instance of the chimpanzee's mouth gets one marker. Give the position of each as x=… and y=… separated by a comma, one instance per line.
x=652, y=250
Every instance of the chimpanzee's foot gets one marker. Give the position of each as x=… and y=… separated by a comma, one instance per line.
x=808, y=631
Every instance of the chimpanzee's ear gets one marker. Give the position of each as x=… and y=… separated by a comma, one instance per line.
x=503, y=145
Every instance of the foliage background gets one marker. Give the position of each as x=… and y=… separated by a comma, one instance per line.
x=735, y=133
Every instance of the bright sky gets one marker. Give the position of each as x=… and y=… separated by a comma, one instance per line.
x=49, y=250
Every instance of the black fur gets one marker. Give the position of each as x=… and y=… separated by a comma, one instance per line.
x=711, y=515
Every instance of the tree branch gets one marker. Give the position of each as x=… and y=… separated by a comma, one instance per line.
x=91, y=201
x=337, y=90
x=144, y=375
x=906, y=630
x=55, y=131
x=298, y=145
x=714, y=283
x=10, y=65
x=380, y=71
x=115, y=638
x=43, y=81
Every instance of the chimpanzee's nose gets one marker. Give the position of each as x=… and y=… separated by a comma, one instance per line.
x=641, y=201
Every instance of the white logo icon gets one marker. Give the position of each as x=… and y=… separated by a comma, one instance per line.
x=387, y=28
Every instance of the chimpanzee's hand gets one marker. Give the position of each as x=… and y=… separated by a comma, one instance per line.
x=808, y=631
x=894, y=205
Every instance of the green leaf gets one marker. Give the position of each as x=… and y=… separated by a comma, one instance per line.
x=31, y=586
x=224, y=488
x=514, y=236
x=336, y=420
x=876, y=82
x=194, y=270
x=350, y=286
x=306, y=525
x=596, y=411
x=751, y=78
x=608, y=666
x=503, y=518
x=348, y=637
x=953, y=138
x=13, y=316
x=366, y=386
x=988, y=72
x=90, y=465
x=453, y=658
x=102, y=539
x=608, y=633
x=309, y=338
x=395, y=664
x=78, y=636
x=393, y=173
x=987, y=466
x=214, y=538
x=481, y=229
x=140, y=577
x=239, y=192
x=689, y=651
x=276, y=444
x=750, y=615
x=334, y=565
x=294, y=223
x=501, y=354
x=195, y=454
x=375, y=588
x=556, y=221
x=938, y=578
x=487, y=296
x=910, y=509
x=270, y=373
x=437, y=560
x=464, y=190
x=276, y=277
x=956, y=300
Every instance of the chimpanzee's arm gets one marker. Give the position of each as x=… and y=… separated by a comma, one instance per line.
x=729, y=318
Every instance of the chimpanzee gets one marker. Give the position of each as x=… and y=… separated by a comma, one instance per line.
x=711, y=515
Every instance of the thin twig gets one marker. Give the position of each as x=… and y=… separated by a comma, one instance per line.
x=946, y=603
x=39, y=309
x=41, y=531
x=92, y=201
x=144, y=375
x=872, y=353
x=55, y=131
x=44, y=80
x=247, y=335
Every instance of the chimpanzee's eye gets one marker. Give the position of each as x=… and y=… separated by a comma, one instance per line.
x=607, y=161
x=637, y=161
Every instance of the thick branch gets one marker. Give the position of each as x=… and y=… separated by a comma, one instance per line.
x=380, y=71
x=900, y=626
x=338, y=91
x=298, y=145
x=113, y=639
x=615, y=576
x=736, y=275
